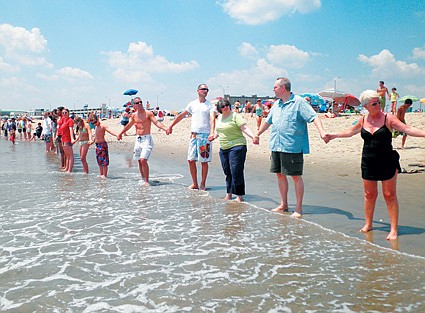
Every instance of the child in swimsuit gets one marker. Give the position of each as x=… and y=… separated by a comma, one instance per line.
x=83, y=138
x=102, y=155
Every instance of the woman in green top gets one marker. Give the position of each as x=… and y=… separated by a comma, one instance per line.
x=229, y=129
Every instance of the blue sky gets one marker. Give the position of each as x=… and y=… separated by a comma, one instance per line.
x=73, y=53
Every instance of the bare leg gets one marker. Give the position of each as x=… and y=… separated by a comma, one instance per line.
x=204, y=175
x=389, y=189
x=370, y=195
x=228, y=196
x=282, y=183
x=299, y=193
x=83, y=155
x=403, y=141
x=103, y=171
x=69, y=158
x=144, y=170
x=193, y=174
x=239, y=199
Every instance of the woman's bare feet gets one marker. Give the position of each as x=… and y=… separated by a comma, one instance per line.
x=281, y=208
x=296, y=215
x=365, y=229
x=193, y=186
x=239, y=199
x=392, y=235
x=228, y=196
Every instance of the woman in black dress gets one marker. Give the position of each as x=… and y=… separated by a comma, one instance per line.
x=379, y=161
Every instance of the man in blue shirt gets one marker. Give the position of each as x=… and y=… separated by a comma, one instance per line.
x=289, y=140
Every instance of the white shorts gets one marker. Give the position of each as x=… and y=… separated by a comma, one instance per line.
x=200, y=148
x=143, y=147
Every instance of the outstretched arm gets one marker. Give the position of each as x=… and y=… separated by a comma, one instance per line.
x=126, y=127
x=110, y=131
x=176, y=120
x=395, y=123
x=349, y=132
x=247, y=131
x=318, y=123
x=157, y=123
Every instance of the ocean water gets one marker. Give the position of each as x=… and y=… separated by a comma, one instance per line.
x=79, y=243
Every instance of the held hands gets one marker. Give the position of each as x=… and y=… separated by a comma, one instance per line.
x=119, y=137
x=169, y=131
x=328, y=137
x=256, y=140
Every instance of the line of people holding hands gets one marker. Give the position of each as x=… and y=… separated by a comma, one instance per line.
x=288, y=119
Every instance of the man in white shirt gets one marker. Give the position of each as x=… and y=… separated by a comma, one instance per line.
x=200, y=148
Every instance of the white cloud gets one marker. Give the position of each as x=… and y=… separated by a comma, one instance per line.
x=67, y=73
x=289, y=56
x=385, y=65
x=255, y=12
x=18, y=38
x=419, y=53
x=73, y=73
x=140, y=61
x=23, y=47
x=6, y=67
x=248, y=51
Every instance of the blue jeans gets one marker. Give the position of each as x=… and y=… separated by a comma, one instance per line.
x=233, y=163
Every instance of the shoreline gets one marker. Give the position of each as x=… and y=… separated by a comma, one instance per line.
x=333, y=186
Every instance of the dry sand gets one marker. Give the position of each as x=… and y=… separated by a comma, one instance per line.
x=333, y=186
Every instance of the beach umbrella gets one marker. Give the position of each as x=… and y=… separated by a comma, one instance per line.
x=413, y=98
x=422, y=100
x=332, y=93
x=130, y=92
x=348, y=99
x=315, y=99
x=268, y=102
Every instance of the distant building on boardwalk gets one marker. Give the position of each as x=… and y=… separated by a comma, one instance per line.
x=242, y=99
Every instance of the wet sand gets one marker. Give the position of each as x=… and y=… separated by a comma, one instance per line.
x=333, y=186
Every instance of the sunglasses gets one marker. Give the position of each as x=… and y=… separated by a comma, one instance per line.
x=204, y=89
x=140, y=102
x=374, y=103
x=224, y=105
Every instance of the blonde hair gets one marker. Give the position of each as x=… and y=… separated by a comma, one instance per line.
x=367, y=95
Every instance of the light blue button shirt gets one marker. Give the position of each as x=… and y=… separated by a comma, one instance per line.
x=289, y=125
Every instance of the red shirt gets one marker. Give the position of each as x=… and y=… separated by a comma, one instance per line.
x=59, y=125
x=66, y=124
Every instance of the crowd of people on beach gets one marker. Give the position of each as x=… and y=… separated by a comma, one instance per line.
x=288, y=118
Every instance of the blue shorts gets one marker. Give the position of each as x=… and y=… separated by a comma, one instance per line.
x=47, y=138
x=200, y=148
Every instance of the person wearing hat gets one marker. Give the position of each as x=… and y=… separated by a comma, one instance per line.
x=380, y=162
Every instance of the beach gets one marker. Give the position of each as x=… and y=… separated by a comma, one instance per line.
x=333, y=186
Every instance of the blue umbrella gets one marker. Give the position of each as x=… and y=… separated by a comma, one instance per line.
x=316, y=100
x=130, y=92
